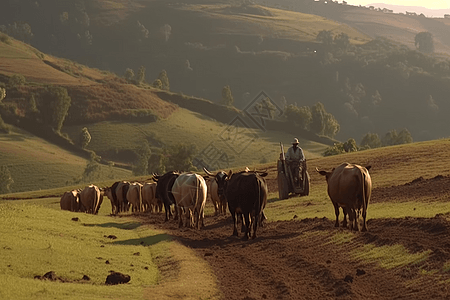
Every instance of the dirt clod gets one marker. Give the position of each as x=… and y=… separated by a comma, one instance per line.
x=117, y=278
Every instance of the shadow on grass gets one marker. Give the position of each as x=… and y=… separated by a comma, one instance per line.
x=126, y=226
x=145, y=241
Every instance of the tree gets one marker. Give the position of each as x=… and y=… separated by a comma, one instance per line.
x=6, y=180
x=342, y=41
x=32, y=110
x=404, y=137
x=164, y=80
x=299, y=115
x=93, y=170
x=318, y=118
x=376, y=99
x=393, y=138
x=143, y=154
x=179, y=157
x=337, y=148
x=323, y=123
x=350, y=145
x=16, y=80
x=129, y=75
x=156, y=163
x=55, y=107
x=325, y=37
x=332, y=126
x=371, y=140
x=141, y=75
x=227, y=96
x=85, y=137
x=424, y=41
x=157, y=84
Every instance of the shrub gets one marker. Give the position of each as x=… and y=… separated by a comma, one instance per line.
x=337, y=148
x=16, y=80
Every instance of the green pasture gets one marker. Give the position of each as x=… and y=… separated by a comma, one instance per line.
x=37, y=237
x=243, y=147
x=36, y=164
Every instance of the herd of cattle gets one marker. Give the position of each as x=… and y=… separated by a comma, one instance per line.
x=245, y=193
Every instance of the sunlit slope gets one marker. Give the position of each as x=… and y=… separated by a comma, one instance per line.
x=400, y=28
x=20, y=58
x=269, y=22
x=242, y=146
x=37, y=164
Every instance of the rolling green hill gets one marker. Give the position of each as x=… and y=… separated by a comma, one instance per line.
x=36, y=164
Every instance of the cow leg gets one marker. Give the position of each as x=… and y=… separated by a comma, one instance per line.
x=168, y=212
x=246, y=218
x=336, y=212
x=344, y=212
x=255, y=225
x=243, y=225
x=364, y=227
x=180, y=221
x=352, y=218
x=233, y=217
x=175, y=217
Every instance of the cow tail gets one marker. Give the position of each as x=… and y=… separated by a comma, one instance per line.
x=140, y=197
x=197, y=208
x=96, y=201
x=258, y=203
x=363, y=188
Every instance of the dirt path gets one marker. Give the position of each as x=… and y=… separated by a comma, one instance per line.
x=297, y=259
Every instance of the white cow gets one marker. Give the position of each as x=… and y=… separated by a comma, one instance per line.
x=91, y=199
x=189, y=191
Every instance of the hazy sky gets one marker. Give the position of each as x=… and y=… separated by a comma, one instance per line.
x=431, y=4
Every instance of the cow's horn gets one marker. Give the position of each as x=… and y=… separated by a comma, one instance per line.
x=208, y=172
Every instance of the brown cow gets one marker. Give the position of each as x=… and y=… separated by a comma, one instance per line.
x=149, y=200
x=217, y=196
x=70, y=201
x=349, y=187
x=134, y=196
x=91, y=199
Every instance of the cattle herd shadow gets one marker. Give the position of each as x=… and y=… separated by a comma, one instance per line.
x=126, y=226
x=145, y=241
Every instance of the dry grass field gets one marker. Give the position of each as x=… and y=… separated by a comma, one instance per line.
x=271, y=22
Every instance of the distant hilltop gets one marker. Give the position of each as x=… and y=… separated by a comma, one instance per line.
x=435, y=13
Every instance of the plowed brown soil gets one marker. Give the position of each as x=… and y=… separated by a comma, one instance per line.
x=297, y=260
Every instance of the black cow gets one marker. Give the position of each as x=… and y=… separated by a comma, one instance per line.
x=117, y=195
x=164, y=190
x=246, y=194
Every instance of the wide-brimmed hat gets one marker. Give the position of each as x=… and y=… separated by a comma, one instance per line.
x=295, y=141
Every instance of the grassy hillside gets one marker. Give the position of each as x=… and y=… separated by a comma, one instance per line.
x=36, y=164
x=395, y=26
x=251, y=20
x=98, y=96
x=243, y=146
